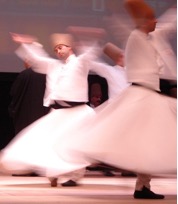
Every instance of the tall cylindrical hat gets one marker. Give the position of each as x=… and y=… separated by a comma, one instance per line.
x=62, y=39
x=96, y=89
x=112, y=51
x=138, y=10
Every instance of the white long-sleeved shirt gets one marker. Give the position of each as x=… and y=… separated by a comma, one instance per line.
x=65, y=81
x=150, y=57
x=115, y=76
x=141, y=61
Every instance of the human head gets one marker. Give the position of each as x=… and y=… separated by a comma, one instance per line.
x=95, y=94
x=115, y=53
x=142, y=14
x=62, y=45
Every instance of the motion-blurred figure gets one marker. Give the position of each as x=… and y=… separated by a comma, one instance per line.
x=27, y=94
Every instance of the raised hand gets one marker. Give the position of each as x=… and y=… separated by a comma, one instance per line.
x=21, y=38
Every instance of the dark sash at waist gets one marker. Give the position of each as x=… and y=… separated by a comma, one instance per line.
x=135, y=84
x=69, y=104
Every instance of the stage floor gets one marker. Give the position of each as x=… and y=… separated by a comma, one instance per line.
x=94, y=188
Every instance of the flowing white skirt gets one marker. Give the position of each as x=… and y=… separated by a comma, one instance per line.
x=135, y=131
x=32, y=148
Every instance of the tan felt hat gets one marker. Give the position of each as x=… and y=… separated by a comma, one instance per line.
x=138, y=10
x=62, y=39
x=112, y=51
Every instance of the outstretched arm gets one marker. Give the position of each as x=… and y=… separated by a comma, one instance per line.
x=21, y=38
x=32, y=51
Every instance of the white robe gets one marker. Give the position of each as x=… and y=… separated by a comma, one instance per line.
x=137, y=129
x=33, y=148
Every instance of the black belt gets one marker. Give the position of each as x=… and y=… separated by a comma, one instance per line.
x=135, y=84
x=70, y=103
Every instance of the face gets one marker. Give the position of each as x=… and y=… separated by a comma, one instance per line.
x=150, y=23
x=62, y=51
x=95, y=100
x=96, y=94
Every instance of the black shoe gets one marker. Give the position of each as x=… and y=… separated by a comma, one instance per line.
x=33, y=174
x=108, y=173
x=69, y=183
x=146, y=193
x=128, y=174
